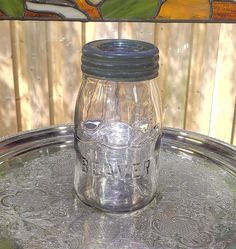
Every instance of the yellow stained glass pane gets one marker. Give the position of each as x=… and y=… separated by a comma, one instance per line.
x=185, y=9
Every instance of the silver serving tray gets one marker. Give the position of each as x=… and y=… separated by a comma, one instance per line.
x=196, y=206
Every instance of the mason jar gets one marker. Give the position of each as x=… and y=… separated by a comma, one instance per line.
x=118, y=125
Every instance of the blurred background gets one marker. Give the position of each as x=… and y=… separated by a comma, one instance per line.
x=40, y=72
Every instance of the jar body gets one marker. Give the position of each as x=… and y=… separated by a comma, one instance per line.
x=117, y=140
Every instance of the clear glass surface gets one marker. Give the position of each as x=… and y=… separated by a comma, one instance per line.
x=117, y=140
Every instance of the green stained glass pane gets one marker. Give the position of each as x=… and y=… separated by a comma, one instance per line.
x=128, y=9
x=12, y=8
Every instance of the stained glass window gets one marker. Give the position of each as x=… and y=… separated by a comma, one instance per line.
x=120, y=10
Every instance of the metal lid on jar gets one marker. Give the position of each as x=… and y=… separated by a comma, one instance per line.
x=120, y=59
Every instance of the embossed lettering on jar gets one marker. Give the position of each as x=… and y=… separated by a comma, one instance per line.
x=118, y=125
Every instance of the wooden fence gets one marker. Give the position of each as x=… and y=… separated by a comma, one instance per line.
x=40, y=72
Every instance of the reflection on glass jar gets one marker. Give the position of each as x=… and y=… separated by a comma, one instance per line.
x=118, y=125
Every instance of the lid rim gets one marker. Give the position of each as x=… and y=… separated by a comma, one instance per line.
x=122, y=58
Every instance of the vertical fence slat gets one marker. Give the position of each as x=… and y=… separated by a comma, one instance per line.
x=8, y=121
x=233, y=134
x=137, y=31
x=205, y=45
x=224, y=89
x=64, y=42
x=96, y=31
x=174, y=42
x=56, y=73
x=162, y=33
x=30, y=69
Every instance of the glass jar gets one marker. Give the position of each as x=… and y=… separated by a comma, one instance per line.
x=118, y=125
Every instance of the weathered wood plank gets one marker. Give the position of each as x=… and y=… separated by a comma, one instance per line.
x=137, y=31
x=233, y=133
x=224, y=94
x=174, y=42
x=205, y=44
x=96, y=31
x=64, y=53
x=8, y=121
x=30, y=69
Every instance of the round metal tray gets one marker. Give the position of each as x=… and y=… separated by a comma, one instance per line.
x=196, y=207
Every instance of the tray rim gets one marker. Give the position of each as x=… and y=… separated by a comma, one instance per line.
x=180, y=139
x=4, y=140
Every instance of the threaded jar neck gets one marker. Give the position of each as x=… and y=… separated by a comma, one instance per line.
x=120, y=59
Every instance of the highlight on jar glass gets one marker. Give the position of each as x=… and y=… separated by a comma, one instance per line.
x=118, y=124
